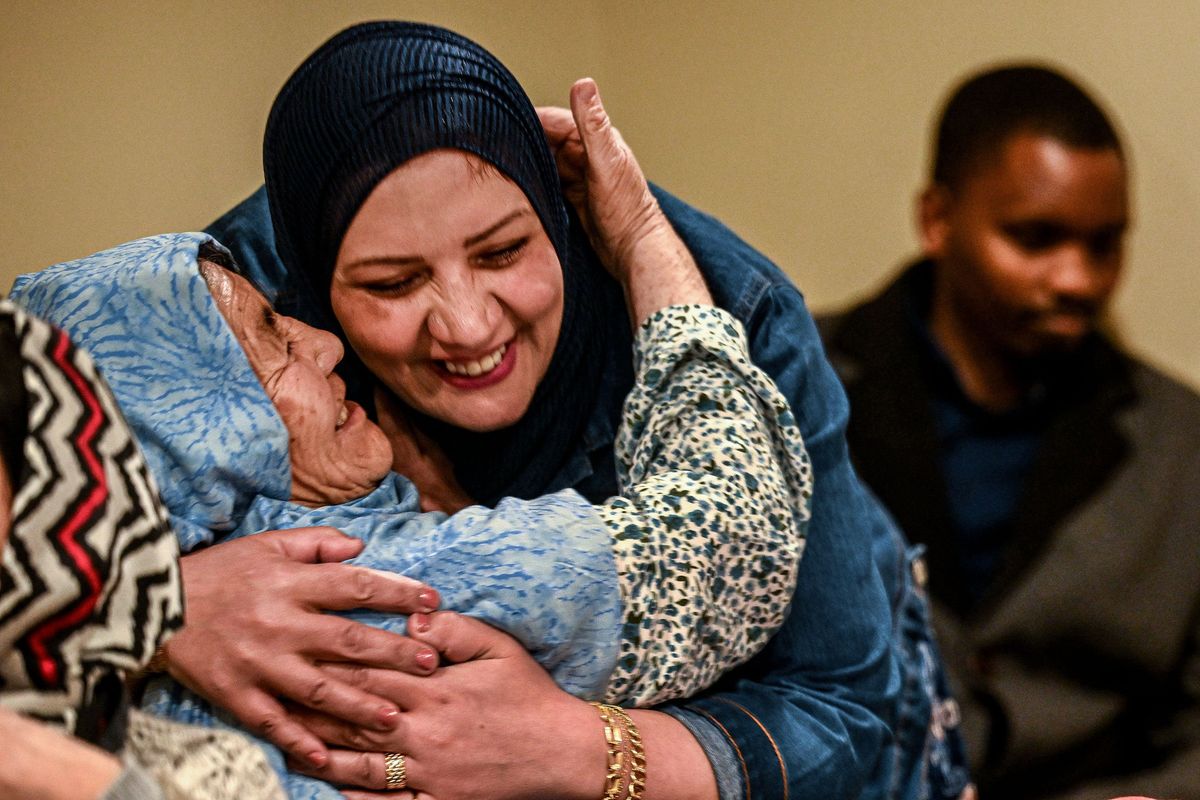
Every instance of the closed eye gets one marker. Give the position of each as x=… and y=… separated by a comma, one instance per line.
x=397, y=287
x=505, y=255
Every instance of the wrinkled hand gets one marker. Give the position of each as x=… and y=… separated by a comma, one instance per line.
x=602, y=179
x=491, y=725
x=418, y=458
x=255, y=628
x=40, y=763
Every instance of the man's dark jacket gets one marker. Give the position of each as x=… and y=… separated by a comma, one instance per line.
x=1079, y=671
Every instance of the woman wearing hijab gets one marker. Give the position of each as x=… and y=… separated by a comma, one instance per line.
x=89, y=589
x=223, y=418
x=369, y=154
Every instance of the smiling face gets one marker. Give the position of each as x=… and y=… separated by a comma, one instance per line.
x=450, y=291
x=1029, y=247
x=336, y=453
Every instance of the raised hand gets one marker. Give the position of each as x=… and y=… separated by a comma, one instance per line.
x=602, y=179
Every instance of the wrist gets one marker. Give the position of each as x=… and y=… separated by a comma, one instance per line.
x=577, y=752
x=660, y=272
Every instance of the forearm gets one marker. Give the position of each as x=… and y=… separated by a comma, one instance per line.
x=661, y=272
x=710, y=524
x=40, y=763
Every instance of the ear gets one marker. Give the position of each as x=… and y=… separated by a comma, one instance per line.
x=933, y=220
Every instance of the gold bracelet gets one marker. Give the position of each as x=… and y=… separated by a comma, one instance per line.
x=626, y=775
x=637, y=755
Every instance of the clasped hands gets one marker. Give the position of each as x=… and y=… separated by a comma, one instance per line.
x=336, y=695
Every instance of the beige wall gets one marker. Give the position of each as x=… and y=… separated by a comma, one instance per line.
x=803, y=125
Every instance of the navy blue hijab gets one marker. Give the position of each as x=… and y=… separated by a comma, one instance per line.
x=377, y=95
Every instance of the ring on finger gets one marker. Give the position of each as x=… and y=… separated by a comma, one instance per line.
x=395, y=770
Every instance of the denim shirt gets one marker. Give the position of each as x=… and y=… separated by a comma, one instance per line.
x=837, y=704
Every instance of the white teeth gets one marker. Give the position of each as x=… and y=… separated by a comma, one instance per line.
x=343, y=415
x=475, y=368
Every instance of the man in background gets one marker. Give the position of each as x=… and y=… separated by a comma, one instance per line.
x=1054, y=478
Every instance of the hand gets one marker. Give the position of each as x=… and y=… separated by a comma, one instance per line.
x=254, y=628
x=491, y=725
x=40, y=763
x=602, y=179
x=418, y=458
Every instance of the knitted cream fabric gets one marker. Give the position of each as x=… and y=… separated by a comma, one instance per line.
x=193, y=763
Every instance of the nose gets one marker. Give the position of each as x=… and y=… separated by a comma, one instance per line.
x=327, y=350
x=465, y=317
x=1077, y=274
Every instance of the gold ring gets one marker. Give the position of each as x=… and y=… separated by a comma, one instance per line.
x=395, y=770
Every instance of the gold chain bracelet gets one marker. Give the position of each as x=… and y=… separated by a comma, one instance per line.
x=626, y=775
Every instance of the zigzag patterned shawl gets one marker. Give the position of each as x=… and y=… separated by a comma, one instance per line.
x=89, y=586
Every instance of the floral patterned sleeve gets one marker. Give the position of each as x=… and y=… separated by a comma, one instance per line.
x=716, y=487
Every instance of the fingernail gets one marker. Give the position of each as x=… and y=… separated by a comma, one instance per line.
x=588, y=93
x=420, y=623
x=317, y=758
x=426, y=658
x=429, y=600
x=388, y=717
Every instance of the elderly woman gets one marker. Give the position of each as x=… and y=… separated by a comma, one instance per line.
x=482, y=315
x=88, y=589
x=540, y=569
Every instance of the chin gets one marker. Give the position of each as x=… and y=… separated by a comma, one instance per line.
x=484, y=419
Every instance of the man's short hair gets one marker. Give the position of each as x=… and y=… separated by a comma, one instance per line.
x=986, y=110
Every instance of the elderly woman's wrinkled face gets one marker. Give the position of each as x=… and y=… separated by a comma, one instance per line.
x=450, y=290
x=337, y=454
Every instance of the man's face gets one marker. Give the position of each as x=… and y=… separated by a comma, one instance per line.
x=1029, y=247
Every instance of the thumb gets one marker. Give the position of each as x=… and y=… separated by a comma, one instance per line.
x=314, y=545
x=460, y=638
x=595, y=128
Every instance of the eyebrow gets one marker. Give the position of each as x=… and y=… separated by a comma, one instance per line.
x=268, y=323
x=474, y=239
x=482, y=235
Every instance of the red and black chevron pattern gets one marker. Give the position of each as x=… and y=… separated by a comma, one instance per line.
x=89, y=586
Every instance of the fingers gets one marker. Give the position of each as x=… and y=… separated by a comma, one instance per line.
x=340, y=587
x=262, y=714
x=317, y=689
x=337, y=732
x=398, y=687
x=332, y=638
x=599, y=137
x=558, y=125
x=364, y=770
x=460, y=638
x=313, y=545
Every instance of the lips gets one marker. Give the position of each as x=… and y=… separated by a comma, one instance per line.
x=482, y=372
